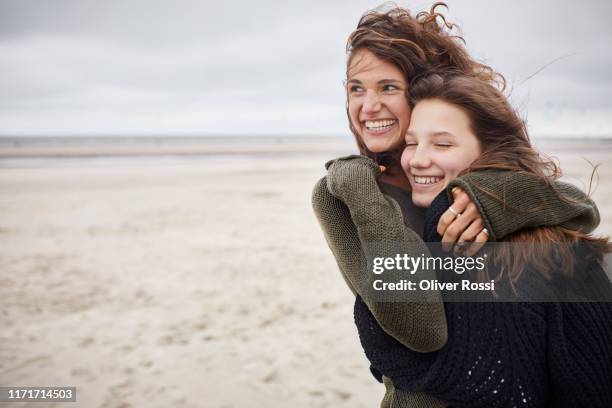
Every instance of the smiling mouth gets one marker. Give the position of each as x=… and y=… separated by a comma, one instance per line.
x=424, y=180
x=379, y=125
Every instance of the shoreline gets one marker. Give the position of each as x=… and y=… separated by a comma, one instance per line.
x=114, y=146
x=169, y=150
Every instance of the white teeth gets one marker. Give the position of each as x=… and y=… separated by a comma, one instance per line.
x=426, y=180
x=379, y=124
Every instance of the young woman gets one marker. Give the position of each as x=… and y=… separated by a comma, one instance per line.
x=497, y=354
x=385, y=52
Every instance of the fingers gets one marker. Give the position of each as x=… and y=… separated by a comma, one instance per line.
x=478, y=243
x=445, y=220
x=468, y=236
x=461, y=201
x=459, y=225
x=470, y=233
x=456, y=192
x=464, y=231
x=476, y=233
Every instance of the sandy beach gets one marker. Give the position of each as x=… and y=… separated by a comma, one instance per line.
x=193, y=283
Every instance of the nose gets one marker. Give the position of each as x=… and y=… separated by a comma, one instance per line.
x=420, y=158
x=371, y=103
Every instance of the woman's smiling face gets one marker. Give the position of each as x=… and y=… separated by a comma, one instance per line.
x=377, y=104
x=439, y=145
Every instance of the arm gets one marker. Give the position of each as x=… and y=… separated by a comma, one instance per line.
x=342, y=238
x=380, y=231
x=339, y=231
x=509, y=201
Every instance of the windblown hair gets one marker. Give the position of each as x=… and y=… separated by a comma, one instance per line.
x=500, y=130
x=415, y=45
x=506, y=145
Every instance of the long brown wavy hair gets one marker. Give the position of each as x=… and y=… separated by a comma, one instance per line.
x=506, y=145
x=415, y=45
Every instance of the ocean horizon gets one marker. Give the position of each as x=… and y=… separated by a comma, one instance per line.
x=109, y=150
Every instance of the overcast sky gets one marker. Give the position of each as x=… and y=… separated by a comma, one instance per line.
x=271, y=67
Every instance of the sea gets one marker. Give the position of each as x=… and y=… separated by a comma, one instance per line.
x=102, y=150
x=77, y=151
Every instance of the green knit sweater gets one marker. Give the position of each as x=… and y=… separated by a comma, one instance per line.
x=360, y=222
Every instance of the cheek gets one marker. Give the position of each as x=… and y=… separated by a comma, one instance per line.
x=402, y=112
x=353, y=111
x=405, y=160
x=455, y=164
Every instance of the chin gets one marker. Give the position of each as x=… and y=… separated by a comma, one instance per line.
x=423, y=200
x=380, y=146
x=377, y=147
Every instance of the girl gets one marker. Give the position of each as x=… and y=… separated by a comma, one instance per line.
x=497, y=354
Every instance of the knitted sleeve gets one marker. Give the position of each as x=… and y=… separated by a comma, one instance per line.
x=509, y=201
x=377, y=230
x=339, y=231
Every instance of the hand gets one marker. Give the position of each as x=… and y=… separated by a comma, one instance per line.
x=460, y=229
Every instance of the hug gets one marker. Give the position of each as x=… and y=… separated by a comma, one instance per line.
x=445, y=158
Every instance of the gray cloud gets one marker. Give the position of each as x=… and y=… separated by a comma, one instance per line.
x=247, y=67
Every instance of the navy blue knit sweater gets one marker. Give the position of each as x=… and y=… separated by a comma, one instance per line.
x=502, y=354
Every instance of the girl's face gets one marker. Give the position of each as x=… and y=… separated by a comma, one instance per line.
x=378, y=108
x=439, y=145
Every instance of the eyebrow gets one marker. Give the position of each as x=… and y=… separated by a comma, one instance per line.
x=390, y=81
x=442, y=133
x=433, y=134
x=382, y=81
